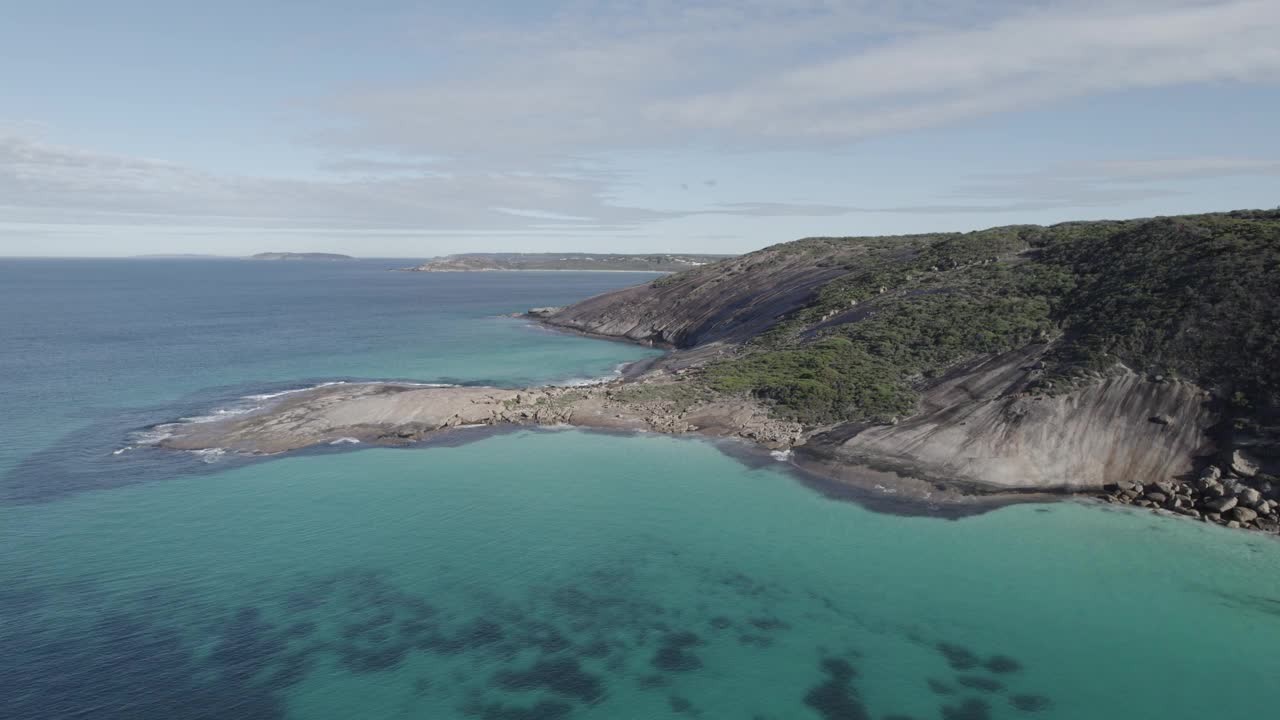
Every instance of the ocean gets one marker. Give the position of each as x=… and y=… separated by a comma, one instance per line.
x=531, y=574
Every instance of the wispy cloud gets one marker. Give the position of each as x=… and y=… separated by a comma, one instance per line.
x=47, y=183
x=1106, y=183
x=796, y=74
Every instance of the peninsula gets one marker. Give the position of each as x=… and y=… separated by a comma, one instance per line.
x=1138, y=361
x=481, y=262
x=300, y=256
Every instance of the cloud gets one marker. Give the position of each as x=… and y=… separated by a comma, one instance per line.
x=44, y=183
x=1106, y=183
x=793, y=74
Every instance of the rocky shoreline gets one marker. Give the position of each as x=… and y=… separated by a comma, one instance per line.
x=1231, y=493
x=650, y=397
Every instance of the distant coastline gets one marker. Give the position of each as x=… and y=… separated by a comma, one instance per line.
x=566, y=262
x=299, y=256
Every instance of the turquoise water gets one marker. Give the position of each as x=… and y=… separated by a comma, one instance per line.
x=562, y=574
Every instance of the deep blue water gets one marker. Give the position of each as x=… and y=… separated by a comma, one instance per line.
x=535, y=574
x=88, y=347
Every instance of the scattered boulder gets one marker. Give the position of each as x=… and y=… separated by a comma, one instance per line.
x=1161, y=419
x=1249, y=497
x=1243, y=463
x=1221, y=504
x=1244, y=515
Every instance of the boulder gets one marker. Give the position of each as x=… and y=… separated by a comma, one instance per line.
x=1158, y=497
x=1221, y=504
x=1210, y=474
x=1249, y=497
x=1161, y=419
x=1244, y=515
x=1214, y=491
x=1244, y=464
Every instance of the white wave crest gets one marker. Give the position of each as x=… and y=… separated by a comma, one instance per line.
x=210, y=455
x=780, y=455
x=346, y=441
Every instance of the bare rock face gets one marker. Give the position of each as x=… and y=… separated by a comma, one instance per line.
x=728, y=301
x=979, y=428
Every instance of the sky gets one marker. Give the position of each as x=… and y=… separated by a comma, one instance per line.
x=390, y=128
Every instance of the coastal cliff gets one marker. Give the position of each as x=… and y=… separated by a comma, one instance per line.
x=1118, y=357
x=1135, y=360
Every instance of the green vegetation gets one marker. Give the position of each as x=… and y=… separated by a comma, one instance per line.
x=677, y=397
x=1195, y=297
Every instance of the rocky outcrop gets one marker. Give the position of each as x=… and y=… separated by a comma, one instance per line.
x=730, y=301
x=394, y=414
x=980, y=427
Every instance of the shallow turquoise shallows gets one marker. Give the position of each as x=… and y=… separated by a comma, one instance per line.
x=532, y=574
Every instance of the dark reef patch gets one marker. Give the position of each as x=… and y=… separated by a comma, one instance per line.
x=1030, y=703
x=958, y=656
x=673, y=654
x=682, y=705
x=835, y=698
x=1002, y=664
x=562, y=676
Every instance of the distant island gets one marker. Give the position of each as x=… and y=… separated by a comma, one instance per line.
x=300, y=256
x=482, y=262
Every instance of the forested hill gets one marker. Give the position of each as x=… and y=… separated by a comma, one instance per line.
x=851, y=328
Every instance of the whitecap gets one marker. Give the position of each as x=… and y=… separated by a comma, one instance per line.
x=220, y=414
x=780, y=455
x=210, y=455
x=346, y=441
x=153, y=435
x=122, y=450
